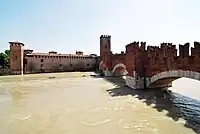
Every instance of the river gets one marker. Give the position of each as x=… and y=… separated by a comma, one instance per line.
x=70, y=103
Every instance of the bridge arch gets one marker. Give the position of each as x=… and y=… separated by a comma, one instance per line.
x=173, y=75
x=100, y=65
x=120, y=65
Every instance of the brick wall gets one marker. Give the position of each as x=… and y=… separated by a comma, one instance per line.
x=55, y=64
x=153, y=59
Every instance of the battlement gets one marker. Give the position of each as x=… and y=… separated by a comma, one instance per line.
x=16, y=43
x=79, y=53
x=28, y=51
x=52, y=52
x=196, y=44
x=184, y=50
x=153, y=48
x=165, y=49
x=196, y=49
x=105, y=36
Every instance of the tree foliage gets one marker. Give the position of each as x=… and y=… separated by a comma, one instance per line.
x=4, y=59
x=7, y=52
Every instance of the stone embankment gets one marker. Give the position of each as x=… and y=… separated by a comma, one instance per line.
x=5, y=71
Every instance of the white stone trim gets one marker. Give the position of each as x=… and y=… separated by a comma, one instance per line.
x=107, y=73
x=131, y=82
x=176, y=74
x=100, y=64
x=118, y=65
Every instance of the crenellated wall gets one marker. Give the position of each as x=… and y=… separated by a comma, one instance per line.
x=25, y=61
x=166, y=58
x=144, y=62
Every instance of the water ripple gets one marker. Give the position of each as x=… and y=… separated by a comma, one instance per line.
x=96, y=123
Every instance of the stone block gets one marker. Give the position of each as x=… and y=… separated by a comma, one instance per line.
x=140, y=83
x=176, y=73
x=181, y=73
x=170, y=73
x=107, y=73
x=196, y=76
x=187, y=74
x=130, y=82
x=192, y=74
x=148, y=82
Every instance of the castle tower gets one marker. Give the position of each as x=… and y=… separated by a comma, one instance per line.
x=105, y=45
x=16, y=57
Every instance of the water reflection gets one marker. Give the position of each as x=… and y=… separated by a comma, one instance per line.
x=176, y=105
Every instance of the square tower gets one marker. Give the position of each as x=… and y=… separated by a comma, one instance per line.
x=105, y=45
x=16, y=57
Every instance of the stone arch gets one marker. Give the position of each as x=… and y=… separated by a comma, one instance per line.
x=173, y=74
x=119, y=65
x=101, y=65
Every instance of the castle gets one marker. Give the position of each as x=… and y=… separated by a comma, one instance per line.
x=25, y=61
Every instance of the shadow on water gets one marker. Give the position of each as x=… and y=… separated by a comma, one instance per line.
x=176, y=105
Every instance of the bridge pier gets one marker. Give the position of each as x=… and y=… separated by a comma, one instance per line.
x=135, y=83
x=107, y=73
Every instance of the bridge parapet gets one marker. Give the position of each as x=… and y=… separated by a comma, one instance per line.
x=141, y=61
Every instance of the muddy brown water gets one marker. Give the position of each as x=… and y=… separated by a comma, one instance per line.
x=70, y=103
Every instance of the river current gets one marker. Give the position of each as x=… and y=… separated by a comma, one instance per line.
x=77, y=103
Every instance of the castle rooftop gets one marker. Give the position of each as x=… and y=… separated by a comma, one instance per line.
x=55, y=54
x=16, y=42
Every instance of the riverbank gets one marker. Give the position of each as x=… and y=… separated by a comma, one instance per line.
x=5, y=71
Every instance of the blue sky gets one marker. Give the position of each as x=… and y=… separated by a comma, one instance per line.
x=70, y=25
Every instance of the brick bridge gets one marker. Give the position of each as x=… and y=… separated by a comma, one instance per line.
x=151, y=66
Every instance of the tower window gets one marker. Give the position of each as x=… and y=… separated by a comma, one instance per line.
x=88, y=65
x=70, y=65
x=42, y=60
x=41, y=65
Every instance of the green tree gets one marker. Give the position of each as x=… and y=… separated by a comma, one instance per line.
x=7, y=52
x=4, y=59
